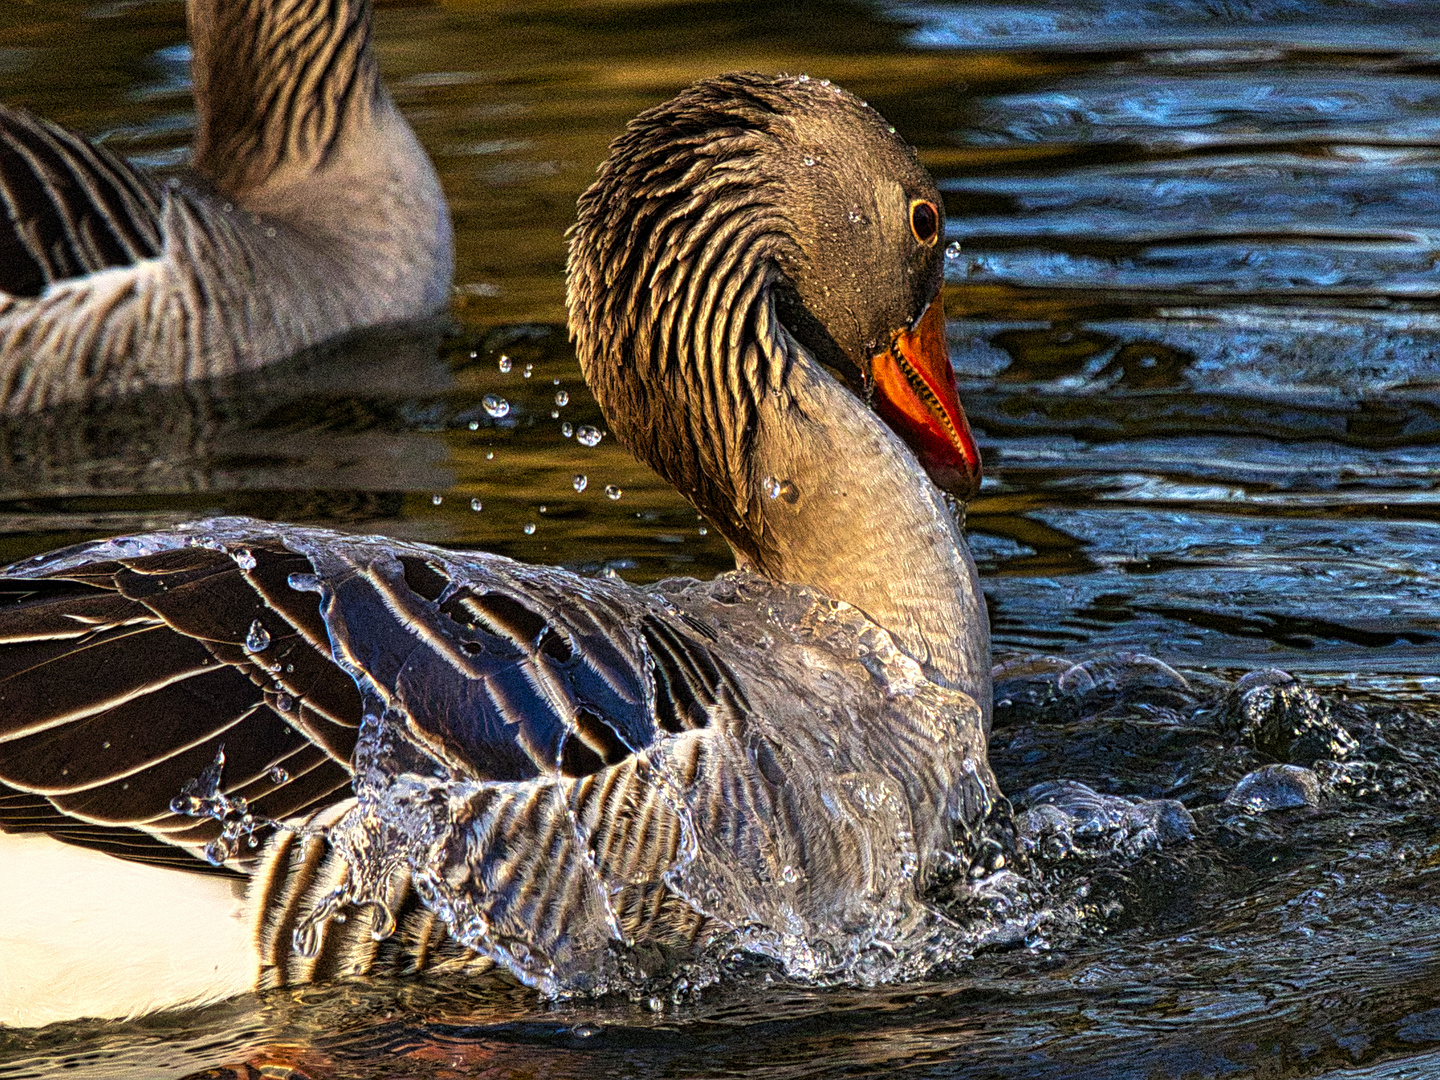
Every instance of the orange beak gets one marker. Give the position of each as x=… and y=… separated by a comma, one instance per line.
x=915, y=394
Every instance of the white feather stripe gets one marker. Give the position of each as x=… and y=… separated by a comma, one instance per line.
x=85, y=934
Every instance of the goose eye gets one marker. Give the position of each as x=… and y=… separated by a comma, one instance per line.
x=924, y=220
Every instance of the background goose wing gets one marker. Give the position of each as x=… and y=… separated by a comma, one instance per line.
x=68, y=207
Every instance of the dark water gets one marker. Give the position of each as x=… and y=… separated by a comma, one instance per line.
x=1196, y=317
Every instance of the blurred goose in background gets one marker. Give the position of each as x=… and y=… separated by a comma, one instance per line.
x=309, y=210
x=485, y=762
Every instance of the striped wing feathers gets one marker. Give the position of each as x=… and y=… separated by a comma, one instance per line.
x=106, y=725
x=121, y=677
x=69, y=207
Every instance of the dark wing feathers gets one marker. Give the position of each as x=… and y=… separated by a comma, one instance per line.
x=68, y=207
x=122, y=674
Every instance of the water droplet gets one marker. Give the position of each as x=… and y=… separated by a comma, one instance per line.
x=952, y=249
x=588, y=436
x=474, y=355
x=284, y=702
x=505, y=364
x=278, y=775
x=586, y=1031
x=436, y=500
x=704, y=531
x=476, y=505
x=562, y=398
x=789, y=874
x=496, y=405
x=857, y=217
x=105, y=745
x=490, y=455
x=780, y=489
x=581, y=481
x=258, y=640
x=890, y=128
x=555, y=381
x=543, y=509
x=529, y=370
x=612, y=492
x=566, y=429
x=218, y=850
x=304, y=582
x=185, y=805
x=474, y=425
x=554, y=414
x=803, y=78
x=808, y=160
x=529, y=528
x=244, y=559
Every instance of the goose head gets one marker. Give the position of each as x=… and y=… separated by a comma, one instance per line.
x=754, y=282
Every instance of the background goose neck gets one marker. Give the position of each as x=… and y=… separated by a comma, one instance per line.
x=279, y=87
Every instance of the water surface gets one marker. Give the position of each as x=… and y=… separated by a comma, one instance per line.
x=1194, y=314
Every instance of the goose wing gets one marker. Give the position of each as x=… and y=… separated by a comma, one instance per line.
x=69, y=207
x=127, y=665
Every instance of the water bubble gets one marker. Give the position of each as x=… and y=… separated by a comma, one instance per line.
x=529, y=528
x=474, y=425
x=566, y=429
x=496, y=405
x=612, y=492
x=258, y=640
x=588, y=436
x=581, y=481
x=278, y=775
x=476, y=505
x=952, y=249
x=562, y=398
x=505, y=364
x=436, y=500
x=244, y=559
x=529, y=370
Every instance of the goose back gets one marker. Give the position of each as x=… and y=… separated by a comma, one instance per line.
x=311, y=210
x=614, y=764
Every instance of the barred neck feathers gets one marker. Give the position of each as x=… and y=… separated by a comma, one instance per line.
x=736, y=248
x=673, y=262
x=278, y=85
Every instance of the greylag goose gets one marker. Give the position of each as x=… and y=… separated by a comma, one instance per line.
x=310, y=210
x=483, y=762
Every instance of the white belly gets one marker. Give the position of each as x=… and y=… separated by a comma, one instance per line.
x=85, y=934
